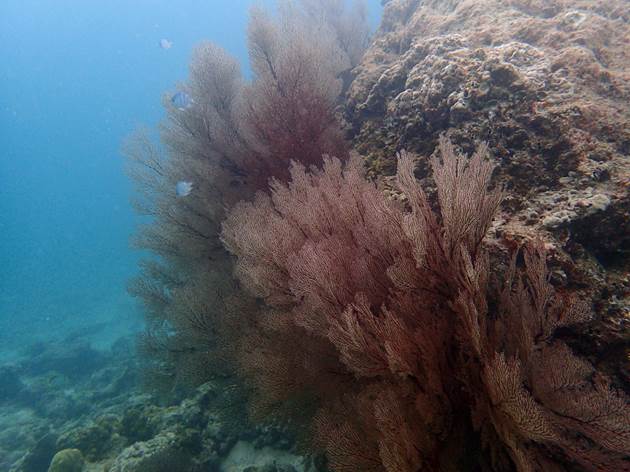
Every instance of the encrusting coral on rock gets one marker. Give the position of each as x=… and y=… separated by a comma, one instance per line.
x=104, y=417
x=547, y=85
x=409, y=343
x=67, y=460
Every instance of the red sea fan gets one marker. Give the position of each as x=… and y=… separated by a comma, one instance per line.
x=427, y=354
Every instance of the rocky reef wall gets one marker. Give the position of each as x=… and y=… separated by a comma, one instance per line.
x=547, y=84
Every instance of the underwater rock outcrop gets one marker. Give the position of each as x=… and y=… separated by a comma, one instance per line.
x=119, y=427
x=67, y=460
x=160, y=454
x=547, y=85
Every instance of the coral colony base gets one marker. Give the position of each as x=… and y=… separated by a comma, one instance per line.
x=399, y=253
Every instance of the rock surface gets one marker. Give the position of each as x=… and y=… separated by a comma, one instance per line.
x=160, y=454
x=547, y=84
x=103, y=415
x=67, y=460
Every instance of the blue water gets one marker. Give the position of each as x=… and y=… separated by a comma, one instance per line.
x=76, y=77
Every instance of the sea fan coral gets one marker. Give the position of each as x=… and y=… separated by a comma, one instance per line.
x=428, y=348
x=376, y=323
x=225, y=140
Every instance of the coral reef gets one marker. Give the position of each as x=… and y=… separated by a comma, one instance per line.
x=55, y=406
x=121, y=427
x=394, y=323
x=545, y=84
x=405, y=343
x=67, y=460
x=159, y=454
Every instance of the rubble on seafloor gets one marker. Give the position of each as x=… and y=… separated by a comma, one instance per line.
x=87, y=411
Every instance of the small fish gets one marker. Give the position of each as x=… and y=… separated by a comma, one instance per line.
x=182, y=101
x=165, y=44
x=183, y=188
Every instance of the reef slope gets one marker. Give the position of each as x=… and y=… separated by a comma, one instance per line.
x=547, y=84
